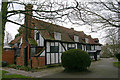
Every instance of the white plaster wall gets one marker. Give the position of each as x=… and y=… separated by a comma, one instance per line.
x=43, y=53
x=48, y=58
x=52, y=58
x=57, y=58
x=48, y=46
x=65, y=45
x=60, y=57
x=82, y=47
x=40, y=42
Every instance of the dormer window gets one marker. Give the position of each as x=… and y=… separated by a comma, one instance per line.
x=57, y=36
x=76, y=38
x=86, y=40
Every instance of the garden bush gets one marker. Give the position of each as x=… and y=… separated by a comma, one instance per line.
x=19, y=67
x=118, y=56
x=12, y=66
x=4, y=63
x=75, y=59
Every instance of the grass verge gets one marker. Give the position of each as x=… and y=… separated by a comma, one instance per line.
x=12, y=75
x=33, y=69
x=117, y=64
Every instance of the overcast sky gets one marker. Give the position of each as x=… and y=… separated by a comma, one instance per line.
x=12, y=28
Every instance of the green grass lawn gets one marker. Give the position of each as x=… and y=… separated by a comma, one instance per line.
x=117, y=64
x=12, y=75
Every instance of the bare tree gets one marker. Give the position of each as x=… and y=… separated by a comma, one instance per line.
x=46, y=10
x=100, y=14
x=8, y=37
x=112, y=40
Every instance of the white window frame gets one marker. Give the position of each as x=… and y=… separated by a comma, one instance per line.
x=57, y=36
x=86, y=40
x=76, y=38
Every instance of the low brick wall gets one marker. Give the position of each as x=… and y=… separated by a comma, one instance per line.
x=38, y=61
x=8, y=55
x=20, y=61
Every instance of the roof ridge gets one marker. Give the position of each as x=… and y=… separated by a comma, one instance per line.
x=57, y=25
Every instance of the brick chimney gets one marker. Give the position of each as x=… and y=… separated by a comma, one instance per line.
x=23, y=60
x=28, y=20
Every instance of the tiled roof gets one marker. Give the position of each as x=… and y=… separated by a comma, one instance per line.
x=67, y=35
x=95, y=39
x=91, y=40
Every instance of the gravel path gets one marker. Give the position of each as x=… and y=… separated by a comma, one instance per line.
x=99, y=69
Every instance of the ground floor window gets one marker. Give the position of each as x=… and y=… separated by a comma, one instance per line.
x=88, y=47
x=98, y=53
x=54, y=49
x=17, y=52
x=79, y=46
x=71, y=48
x=33, y=51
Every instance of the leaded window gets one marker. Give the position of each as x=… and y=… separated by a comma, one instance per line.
x=54, y=49
x=33, y=51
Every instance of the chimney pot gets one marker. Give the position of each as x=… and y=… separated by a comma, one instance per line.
x=72, y=28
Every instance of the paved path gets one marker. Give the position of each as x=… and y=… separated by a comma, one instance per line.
x=100, y=69
x=34, y=74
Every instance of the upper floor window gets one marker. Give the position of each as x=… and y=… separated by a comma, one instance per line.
x=57, y=36
x=76, y=38
x=71, y=48
x=37, y=36
x=86, y=40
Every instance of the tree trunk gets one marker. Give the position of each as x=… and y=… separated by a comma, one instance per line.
x=4, y=18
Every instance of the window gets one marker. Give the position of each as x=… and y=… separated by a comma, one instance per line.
x=33, y=51
x=79, y=46
x=92, y=47
x=57, y=35
x=76, y=38
x=88, y=47
x=54, y=49
x=71, y=48
x=18, y=44
x=98, y=53
x=17, y=52
x=37, y=36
